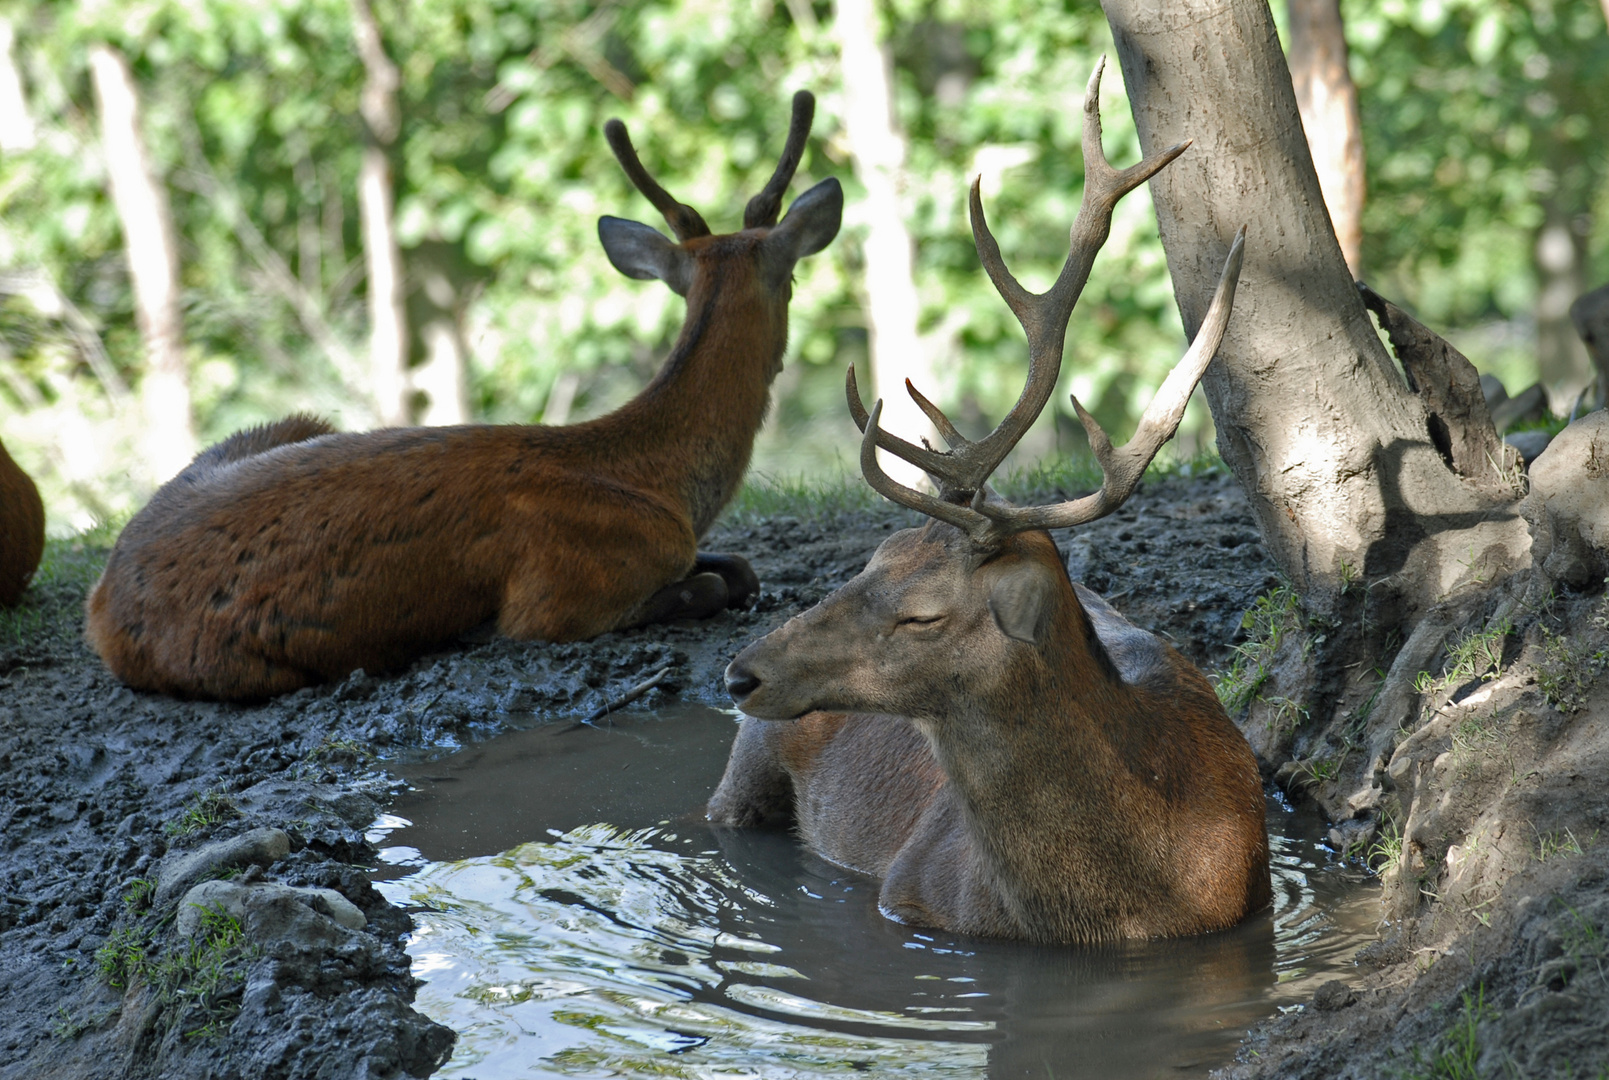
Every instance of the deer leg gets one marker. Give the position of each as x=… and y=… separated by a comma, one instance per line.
x=742, y=584
x=696, y=597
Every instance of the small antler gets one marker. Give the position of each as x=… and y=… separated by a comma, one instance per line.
x=762, y=210
x=962, y=471
x=684, y=221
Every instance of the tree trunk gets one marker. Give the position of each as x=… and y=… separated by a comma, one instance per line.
x=1562, y=361
x=168, y=441
x=388, y=326
x=16, y=124
x=1365, y=513
x=897, y=350
x=436, y=307
x=1328, y=103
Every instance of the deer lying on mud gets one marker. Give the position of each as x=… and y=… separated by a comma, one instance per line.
x=1010, y=755
x=22, y=529
x=290, y=554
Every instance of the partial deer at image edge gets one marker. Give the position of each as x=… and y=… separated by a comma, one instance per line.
x=22, y=529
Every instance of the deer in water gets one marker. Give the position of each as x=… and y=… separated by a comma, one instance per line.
x=22, y=529
x=1009, y=754
x=291, y=554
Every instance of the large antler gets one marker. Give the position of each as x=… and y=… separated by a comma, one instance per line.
x=963, y=470
x=762, y=210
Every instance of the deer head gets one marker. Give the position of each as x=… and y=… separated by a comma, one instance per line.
x=642, y=252
x=968, y=615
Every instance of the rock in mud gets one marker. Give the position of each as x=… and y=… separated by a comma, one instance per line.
x=1569, y=503
x=259, y=847
x=260, y=907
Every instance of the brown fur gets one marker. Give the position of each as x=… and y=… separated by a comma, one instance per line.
x=22, y=529
x=1085, y=786
x=290, y=554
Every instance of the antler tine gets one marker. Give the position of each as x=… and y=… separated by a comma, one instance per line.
x=1044, y=315
x=762, y=210
x=684, y=221
x=932, y=462
x=1122, y=468
x=965, y=518
x=946, y=429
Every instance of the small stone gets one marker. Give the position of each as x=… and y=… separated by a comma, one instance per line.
x=1333, y=995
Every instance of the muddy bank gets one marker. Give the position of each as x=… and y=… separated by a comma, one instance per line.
x=117, y=804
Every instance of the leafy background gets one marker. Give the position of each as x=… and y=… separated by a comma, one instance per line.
x=1484, y=125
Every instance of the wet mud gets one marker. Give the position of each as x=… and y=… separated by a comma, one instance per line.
x=111, y=795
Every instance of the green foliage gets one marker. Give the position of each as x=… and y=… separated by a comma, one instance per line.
x=1273, y=615
x=1472, y=654
x=1385, y=854
x=1458, y=1049
x=124, y=956
x=1479, y=122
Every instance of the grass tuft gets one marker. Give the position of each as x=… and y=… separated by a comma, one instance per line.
x=205, y=812
x=811, y=498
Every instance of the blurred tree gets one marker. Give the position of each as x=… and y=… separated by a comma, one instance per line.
x=1328, y=103
x=388, y=331
x=897, y=352
x=153, y=264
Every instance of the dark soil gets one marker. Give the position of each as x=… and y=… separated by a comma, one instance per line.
x=108, y=789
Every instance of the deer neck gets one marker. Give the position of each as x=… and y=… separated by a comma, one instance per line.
x=690, y=432
x=1045, y=792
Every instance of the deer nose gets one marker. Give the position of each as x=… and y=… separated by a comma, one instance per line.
x=740, y=682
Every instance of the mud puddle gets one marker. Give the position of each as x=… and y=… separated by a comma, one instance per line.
x=576, y=916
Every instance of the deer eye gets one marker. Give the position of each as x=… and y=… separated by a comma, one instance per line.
x=919, y=620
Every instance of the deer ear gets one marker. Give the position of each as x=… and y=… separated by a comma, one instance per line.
x=641, y=252
x=1020, y=602
x=810, y=224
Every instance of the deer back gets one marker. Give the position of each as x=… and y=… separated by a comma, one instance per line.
x=22, y=529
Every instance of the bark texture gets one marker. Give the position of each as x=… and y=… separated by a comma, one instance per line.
x=388, y=326
x=897, y=350
x=168, y=441
x=1390, y=547
x=1318, y=424
x=1328, y=103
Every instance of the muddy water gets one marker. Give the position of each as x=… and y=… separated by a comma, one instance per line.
x=577, y=917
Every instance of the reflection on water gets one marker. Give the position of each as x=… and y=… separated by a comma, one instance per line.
x=615, y=933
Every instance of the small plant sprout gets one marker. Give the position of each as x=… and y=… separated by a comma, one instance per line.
x=1385, y=854
x=1273, y=615
x=202, y=814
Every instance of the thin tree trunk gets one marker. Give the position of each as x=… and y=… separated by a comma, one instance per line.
x=1328, y=103
x=1562, y=361
x=16, y=124
x=897, y=350
x=1366, y=516
x=436, y=310
x=388, y=327
x=168, y=441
